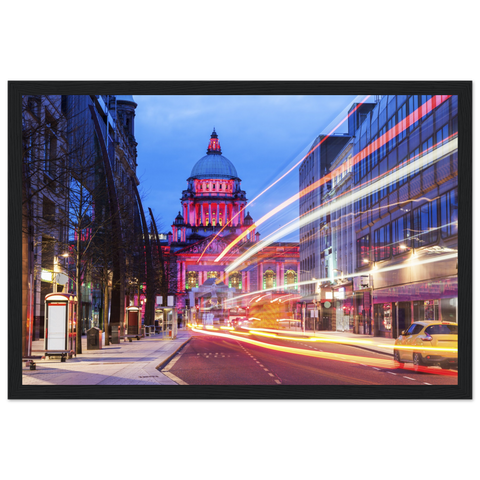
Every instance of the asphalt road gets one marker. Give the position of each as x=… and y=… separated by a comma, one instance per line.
x=210, y=360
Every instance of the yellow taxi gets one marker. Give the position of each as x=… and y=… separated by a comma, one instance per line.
x=428, y=343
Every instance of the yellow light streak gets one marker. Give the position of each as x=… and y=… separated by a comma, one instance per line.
x=377, y=362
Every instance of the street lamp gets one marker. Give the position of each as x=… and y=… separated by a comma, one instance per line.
x=318, y=305
x=56, y=270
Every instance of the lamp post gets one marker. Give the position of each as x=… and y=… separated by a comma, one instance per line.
x=56, y=269
x=318, y=305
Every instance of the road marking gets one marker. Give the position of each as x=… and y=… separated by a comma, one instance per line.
x=376, y=368
x=410, y=378
x=278, y=381
x=271, y=374
x=260, y=365
x=427, y=383
x=174, y=378
x=391, y=373
x=266, y=369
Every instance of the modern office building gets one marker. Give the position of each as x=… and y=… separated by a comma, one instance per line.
x=316, y=248
x=394, y=243
x=406, y=223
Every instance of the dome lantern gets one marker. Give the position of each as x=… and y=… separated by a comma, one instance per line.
x=214, y=164
x=214, y=144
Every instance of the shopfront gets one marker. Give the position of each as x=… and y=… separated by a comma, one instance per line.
x=396, y=308
x=344, y=310
x=362, y=305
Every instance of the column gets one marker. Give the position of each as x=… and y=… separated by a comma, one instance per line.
x=278, y=283
x=202, y=213
x=179, y=276
x=282, y=275
x=244, y=281
x=184, y=275
x=187, y=221
x=260, y=276
x=234, y=213
x=217, y=218
x=248, y=282
x=210, y=213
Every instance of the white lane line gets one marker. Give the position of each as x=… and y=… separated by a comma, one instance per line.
x=266, y=369
x=375, y=368
x=278, y=381
x=410, y=378
x=427, y=383
x=391, y=373
x=271, y=374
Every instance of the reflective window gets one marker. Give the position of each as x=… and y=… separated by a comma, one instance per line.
x=363, y=251
x=425, y=224
x=449, y=213
x=401, y=235
x=381, y=241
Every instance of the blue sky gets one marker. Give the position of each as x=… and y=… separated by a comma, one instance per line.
x=261, y=135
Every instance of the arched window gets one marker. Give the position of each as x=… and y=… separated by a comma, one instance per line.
x=235, y=280
x=290, y=278
x=269, y=279
x=192, y=280
x=213, y=275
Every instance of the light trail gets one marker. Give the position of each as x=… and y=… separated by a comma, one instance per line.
x=283, y=176
x=424, y=161
x=408, y=264
x=377, y=362
x=392, y=171
x=398, y=128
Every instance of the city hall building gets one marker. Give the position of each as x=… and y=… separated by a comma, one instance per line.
x=212, y=216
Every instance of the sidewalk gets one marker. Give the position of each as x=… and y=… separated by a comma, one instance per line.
x=136, y=362
x=127, y=363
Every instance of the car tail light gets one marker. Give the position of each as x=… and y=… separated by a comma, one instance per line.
x=426, y=338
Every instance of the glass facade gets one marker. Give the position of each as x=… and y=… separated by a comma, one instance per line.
x=411, y=218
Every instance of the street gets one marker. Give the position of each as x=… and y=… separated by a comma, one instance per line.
x=213, y=360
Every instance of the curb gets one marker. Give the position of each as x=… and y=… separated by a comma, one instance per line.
x=167, y=359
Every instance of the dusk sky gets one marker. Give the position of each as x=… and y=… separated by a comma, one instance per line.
x=261, y=135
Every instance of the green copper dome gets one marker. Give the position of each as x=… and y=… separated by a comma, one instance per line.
x=214, y=164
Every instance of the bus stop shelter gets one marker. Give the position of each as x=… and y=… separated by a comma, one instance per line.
x=166, y=322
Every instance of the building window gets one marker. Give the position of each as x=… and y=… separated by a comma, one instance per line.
x=425, y=99
x=374, y=152
x=392, y=139
x=449, y=213
x=413, y=109
x=441, y=136
x=383, y=148
x=426, y=148
x=213, y=275
x=414, y=159
x=235, y=280
x=48, y=210
x=381, y=243
x=290, y=278
x=425, y=224
x=269, y=279
x=401, y=115
x=401, y=235
x=192, y=280
x=363, y=251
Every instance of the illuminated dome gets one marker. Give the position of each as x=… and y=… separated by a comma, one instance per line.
x=214, y=164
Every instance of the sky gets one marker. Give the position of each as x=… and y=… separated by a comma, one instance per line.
x=261, y=135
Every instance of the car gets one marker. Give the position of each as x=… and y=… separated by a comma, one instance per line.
x=419, y=344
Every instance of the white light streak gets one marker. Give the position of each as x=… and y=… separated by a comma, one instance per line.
x=422, y=162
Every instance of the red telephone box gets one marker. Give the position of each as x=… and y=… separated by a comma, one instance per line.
x=133, y=320
x=60, y=321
